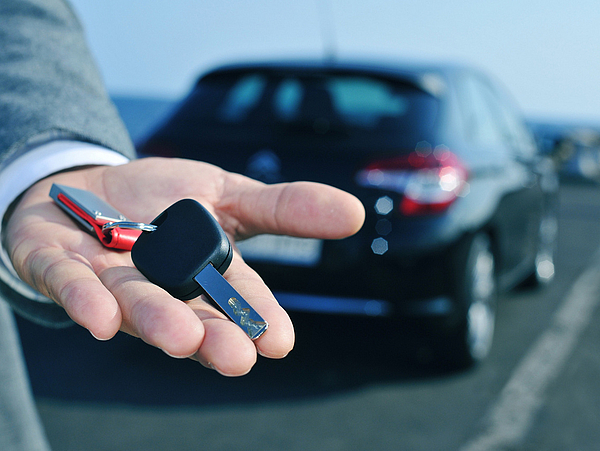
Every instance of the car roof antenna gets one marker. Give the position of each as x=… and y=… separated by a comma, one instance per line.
x=327, y=29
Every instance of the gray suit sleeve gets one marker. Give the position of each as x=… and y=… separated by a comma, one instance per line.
x=49, y=83
x=50, y=88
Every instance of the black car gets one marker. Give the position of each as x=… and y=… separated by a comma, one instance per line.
x=460, y=204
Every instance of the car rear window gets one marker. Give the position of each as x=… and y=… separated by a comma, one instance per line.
x=353, y=105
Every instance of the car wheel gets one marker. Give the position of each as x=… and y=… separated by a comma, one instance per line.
x=543, y=270
x=476, y=295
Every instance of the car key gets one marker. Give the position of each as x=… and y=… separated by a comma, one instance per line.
x=114, y=230
x=97, y=217
x=187, y=254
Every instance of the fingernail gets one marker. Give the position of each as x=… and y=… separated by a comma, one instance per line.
x=98, y=338
x=208, y=365
x=176, y=356
x=270, y=356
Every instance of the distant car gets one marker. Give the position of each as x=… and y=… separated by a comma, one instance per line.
x=460, y=204
x=574, y=148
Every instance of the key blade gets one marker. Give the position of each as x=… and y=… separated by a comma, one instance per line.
x=94, y=207
x=231, y=302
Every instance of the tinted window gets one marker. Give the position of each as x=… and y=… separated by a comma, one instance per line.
x=492, y=119
x=514, y=127
x=243, y=96
x=481, y=120
x=383, y=111
x=364, y=102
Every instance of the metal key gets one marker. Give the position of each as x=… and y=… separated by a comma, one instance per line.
x=187, y=254
x=186, y=258
x=111, y=227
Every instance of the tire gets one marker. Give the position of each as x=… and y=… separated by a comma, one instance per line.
x=543, y=269
x=475, y=293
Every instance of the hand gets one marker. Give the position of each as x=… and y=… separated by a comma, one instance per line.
x=101, y=289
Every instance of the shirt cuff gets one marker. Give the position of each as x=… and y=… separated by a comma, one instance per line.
x=32, y=166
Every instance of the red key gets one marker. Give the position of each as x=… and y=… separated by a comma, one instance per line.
x=94, y=215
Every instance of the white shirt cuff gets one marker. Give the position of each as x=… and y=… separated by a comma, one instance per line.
x=32, y=166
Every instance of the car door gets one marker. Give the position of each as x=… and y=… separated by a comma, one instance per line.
x=509, y=171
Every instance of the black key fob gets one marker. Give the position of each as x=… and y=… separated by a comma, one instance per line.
x=187, y=238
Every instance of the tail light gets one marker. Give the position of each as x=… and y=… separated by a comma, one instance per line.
x=429, y=180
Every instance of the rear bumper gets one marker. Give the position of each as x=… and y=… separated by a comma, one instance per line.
x=441, y=306
x=381, y=284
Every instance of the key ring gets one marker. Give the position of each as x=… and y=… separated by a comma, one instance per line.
x=106, y=228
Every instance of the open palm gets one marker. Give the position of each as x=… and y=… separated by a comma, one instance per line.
x=101, y=289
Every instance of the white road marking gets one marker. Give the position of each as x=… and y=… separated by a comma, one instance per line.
x=511, y=416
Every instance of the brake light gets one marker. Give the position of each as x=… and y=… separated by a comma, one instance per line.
x=429, y=180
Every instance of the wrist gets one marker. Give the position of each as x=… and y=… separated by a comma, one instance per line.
x=28, y=169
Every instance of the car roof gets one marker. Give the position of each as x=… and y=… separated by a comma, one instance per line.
x=413, y=72
x=370, y=65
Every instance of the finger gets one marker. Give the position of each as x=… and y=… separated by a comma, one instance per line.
x=46, y=253
x=152, y=314
x=226, y=347
x=278, y=340
x=300, y=209
x=69, y=280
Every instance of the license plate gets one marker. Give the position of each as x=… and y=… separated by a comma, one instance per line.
x=282, y=249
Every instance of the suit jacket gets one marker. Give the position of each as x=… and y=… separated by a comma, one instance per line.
x=49, y=89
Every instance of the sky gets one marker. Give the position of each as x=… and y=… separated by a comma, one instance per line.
x=546, y=53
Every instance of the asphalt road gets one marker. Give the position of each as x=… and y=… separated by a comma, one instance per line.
x=350, y=384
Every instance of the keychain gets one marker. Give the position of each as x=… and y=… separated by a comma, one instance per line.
x=184, y=250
